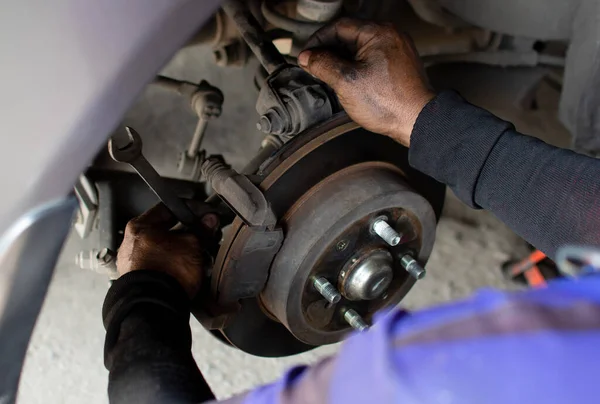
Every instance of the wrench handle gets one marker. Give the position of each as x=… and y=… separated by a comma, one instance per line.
x=155, y=182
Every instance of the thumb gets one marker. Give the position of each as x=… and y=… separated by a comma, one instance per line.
x=325, y=65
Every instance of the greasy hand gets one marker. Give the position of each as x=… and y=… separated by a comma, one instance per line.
x=149, y=243
x=375, y=72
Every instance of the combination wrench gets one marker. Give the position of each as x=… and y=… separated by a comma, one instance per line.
x=132, y=155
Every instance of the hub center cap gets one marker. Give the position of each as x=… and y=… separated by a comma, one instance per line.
x=367, y=277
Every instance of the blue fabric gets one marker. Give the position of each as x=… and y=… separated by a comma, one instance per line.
x=536, y=346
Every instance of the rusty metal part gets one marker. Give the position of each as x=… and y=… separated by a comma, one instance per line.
x=181, y=87
x=240, y=194
x=291, y=101
x=269, y=146
x=246, y=268
x=207, y=103
x=205, y=100
x=298, y=27
x=217, y=32
x=259, y=42
x=87, y=198
x=341, y=207
x=300, y=18
x=235, y=54
x=319, y=10
x=301, y=162
x=250, y=330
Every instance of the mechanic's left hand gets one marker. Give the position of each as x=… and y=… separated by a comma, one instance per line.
x=149, y=243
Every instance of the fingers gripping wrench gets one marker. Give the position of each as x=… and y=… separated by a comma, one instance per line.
x=132, y=155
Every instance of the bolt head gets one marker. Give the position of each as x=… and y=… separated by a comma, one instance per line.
x=220, y=57
x=272, y=123
x=264, y=124
x=342, y=245
x=211, y=221
x=212, y=111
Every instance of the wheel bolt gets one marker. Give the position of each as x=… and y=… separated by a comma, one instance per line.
x=355, y=320
x=412, y=267
x=327, y=290
x=386, y=232
x=264, y=124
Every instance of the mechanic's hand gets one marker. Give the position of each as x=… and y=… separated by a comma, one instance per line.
x=375, y=72
x=149, y=243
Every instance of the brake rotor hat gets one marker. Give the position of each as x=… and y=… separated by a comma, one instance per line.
x=339, y=211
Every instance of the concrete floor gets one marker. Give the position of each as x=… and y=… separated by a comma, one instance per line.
x=64, y=362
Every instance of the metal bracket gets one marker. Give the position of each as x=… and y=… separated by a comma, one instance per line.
x=240, y=194
x=292, y=100
x=246, y=271
x=87, y=198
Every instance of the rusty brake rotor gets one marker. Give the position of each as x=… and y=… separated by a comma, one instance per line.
x=326, y=186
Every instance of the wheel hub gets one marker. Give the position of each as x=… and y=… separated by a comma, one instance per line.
x=366, y=277
x=340, y=209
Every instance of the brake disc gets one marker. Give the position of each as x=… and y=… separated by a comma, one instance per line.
x=327, y=186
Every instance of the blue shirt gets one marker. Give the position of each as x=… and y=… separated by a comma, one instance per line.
x=539, y=345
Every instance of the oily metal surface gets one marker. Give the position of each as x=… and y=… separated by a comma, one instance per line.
x=338, y=211
x=368, y=278
x=286, y=176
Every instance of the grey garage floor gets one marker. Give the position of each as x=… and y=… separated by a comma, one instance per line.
x=64, y=362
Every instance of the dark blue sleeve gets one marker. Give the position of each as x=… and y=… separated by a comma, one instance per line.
x=148, y=342
x=547, y=195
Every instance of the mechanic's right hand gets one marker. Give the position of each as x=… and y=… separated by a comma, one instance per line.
x=375, y=72
x=150, y=243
